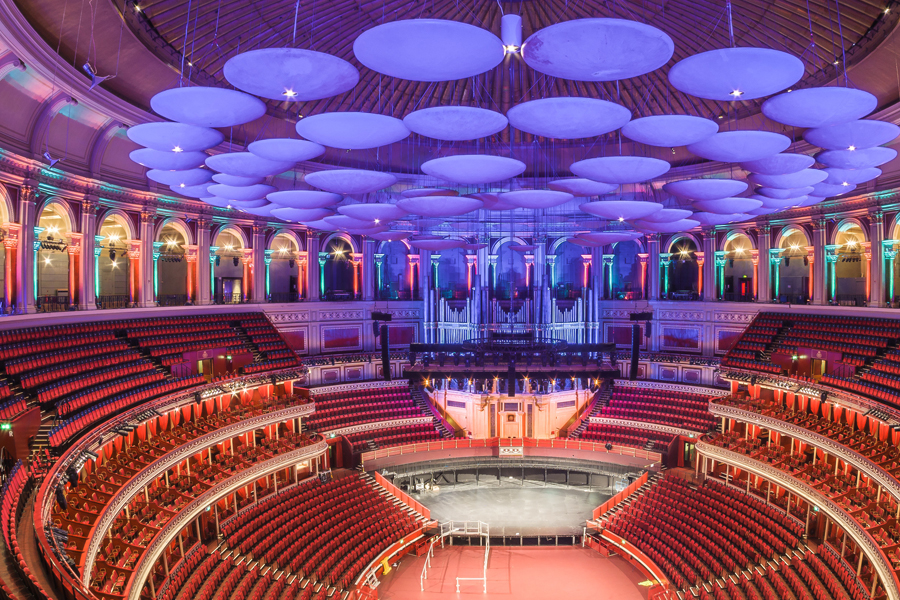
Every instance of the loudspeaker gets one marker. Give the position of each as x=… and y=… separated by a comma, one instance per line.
x=635, y=345
x=385, y=355
x=511, y=379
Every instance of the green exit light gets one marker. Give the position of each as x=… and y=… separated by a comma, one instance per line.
x=5, y=426
x=228, y=357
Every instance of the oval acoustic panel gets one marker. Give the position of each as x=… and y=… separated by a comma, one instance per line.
x=535, y=198
x=615, y=210
x=729, y=74
x=851, y=176
x=705, y=189
x=428, y=49
x=582, y=187
x=854, y=135
x=248, y=192
x=236, y=180
x=740, y=146
x=350, y=181
x=568, y=118
x=455, y=123
x=827, y=190
x=779, y=164
x=791, y=180
x=819, y=106
x=352, y=130
x=249, y=204
x=474, y=247
x=390, y=236
x=286, y=150
x=304, y=198
x=321, y=225
x=301, y=215
x=779, y=203
x=194, y=191
x=785, y=193
x=180, y=178
x=726, y=206
x=343, y=221
x=473, y=169
x=856, y=159
x=217, y=202
x=606, y=237
x=673, y=227
x=597, y=49
x=261, y=211
x=620, y=169
x=581, y=241
x=365, y=230
x=708, y=219
x=438, y=244
x=670, y=131
x=174, y=137
x=377, y=213
x=167, y=161
x=208, y=106
x=290, y=74
x=762, y=210
x=434, y=206
x=245, y=164
x=420, y=192
x=668, y=215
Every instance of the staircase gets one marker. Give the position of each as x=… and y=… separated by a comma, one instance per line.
x=41, y=440
x=601, y=402
x=428, y=409
x=249, y=343
x=652, y=478
x=766, y=354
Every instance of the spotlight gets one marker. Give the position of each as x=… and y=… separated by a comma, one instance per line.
x=235, y=261
x=218, y=260
x=112, y=254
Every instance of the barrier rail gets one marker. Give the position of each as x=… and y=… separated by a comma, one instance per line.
x=401, y=496
x=609, y=504
x=468, y=528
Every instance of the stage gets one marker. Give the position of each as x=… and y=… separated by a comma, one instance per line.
x=512, y=509
x=527, y=573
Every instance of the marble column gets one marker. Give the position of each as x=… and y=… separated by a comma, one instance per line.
x=204, y=264
x=88, y=267
x=764, y=268
x=258, y=266
x=75, y=253
x=876, y=271
x=709, y=266
x=368, y=269
x=312, y=265
x=134, y=273
x=26, y=292
x=11, y=246
x=701, y=262
x=644, y=260
x=653, y=270
x=819, y=242
x=379, y=275
x=147, y=269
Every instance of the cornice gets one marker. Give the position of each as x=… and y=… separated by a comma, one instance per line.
x=137, y=483
x=196, y=507
x=816, y=498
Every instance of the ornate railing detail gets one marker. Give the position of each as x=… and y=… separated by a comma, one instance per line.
x=834, y=511
x=377, y=425
x=668, y=429
x=355, y=387
x=133, y=487
x=669, y=387
x=197, y=506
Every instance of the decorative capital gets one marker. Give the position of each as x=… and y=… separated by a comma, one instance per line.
x=877, y=216
x=644, y=258
x=147, y=216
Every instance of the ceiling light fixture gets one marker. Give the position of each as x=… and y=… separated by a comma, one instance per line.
x=177, y=149
x=737, y=93
x=290, y=93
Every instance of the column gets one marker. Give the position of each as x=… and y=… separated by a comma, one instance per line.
x=435, y=260
x=247, y=275
x=811, y=260
x=831, y=258
x=257, y=292
x=775, y=258
x=701, y=261
x=471, y=261
x=74, y=251
x=368, y=269
x=645, y=261
x=302, y=266
x=720, y=274
x=876, y=271
x=212, y=273
x=819, y=280
x=95, y=264
x=11, y=244
x=665, y=260
x=763, y=291
x=36, y=245
x=492, y=267
x=267, y=259
x=653, y=269
x=867, y=253
x=312, y=267
x=379, y=275
x=190, y=255
x=204, y=264
x=586, y=269
x=157, y=251
x=148, y=261
x=538, y=275
x=754, y=259
x=88, y=268
x=529, y=270
x=709, y=266
x=323, y=258
x=551, y=263
x=413, y=274
x=134, y=273
x=890, y=253
x=608, y=260
x=356, y=259
x=26, y=292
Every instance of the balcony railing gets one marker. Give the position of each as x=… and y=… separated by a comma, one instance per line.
x=228, y=299
x=113, y=301
x=48, y=304
x=283, y=297
x=172, y=300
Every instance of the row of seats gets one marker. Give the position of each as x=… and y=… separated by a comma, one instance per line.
x=393, y=436
x=624, y=436
x=334, y=411
x=16, y=484
x=58, y=389
x=100, y=392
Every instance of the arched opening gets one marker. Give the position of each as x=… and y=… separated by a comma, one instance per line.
x=228, y=270
x=393, y=272
x=626, y=280
x=738, y=275
x=284, y=273
x=567, y=271
x=112, y=266
x=847, y=275
x=451, y=273
x=338, y=281
x=791, y=269
x=54, y=288
x=170, y=279
x=682, y=282
x=509, y=274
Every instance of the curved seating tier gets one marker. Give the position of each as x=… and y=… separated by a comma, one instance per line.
x=393, y=436
x=625, y=436
x=335, y=410
x=678, y=409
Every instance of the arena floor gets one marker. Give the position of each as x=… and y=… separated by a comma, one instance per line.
x=529, y=573
x=511, y=509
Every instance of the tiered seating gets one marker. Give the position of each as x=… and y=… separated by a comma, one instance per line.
x=270, y=343
x=679, y=409
x=121, y=379
x=394, y=436
x=336, y=410
x=327, y=532
x=828, y=564
x=698, y=535
x=625, y=436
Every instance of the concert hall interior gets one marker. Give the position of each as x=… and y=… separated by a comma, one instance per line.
x=359, y=299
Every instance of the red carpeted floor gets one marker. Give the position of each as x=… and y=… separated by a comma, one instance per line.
x=520, y=573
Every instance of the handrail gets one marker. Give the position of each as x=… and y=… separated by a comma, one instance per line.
x=477, y=528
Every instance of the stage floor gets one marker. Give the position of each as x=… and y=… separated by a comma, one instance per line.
x=519, y=573
x=512, y=509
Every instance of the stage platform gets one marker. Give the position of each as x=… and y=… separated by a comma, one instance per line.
x=513, y=509
x=529, y=573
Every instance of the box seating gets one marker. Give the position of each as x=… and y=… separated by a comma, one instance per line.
x=624, y=436
x=394, y=436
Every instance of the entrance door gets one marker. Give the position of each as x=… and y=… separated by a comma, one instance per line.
x=205, y=368
x=817, y=368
